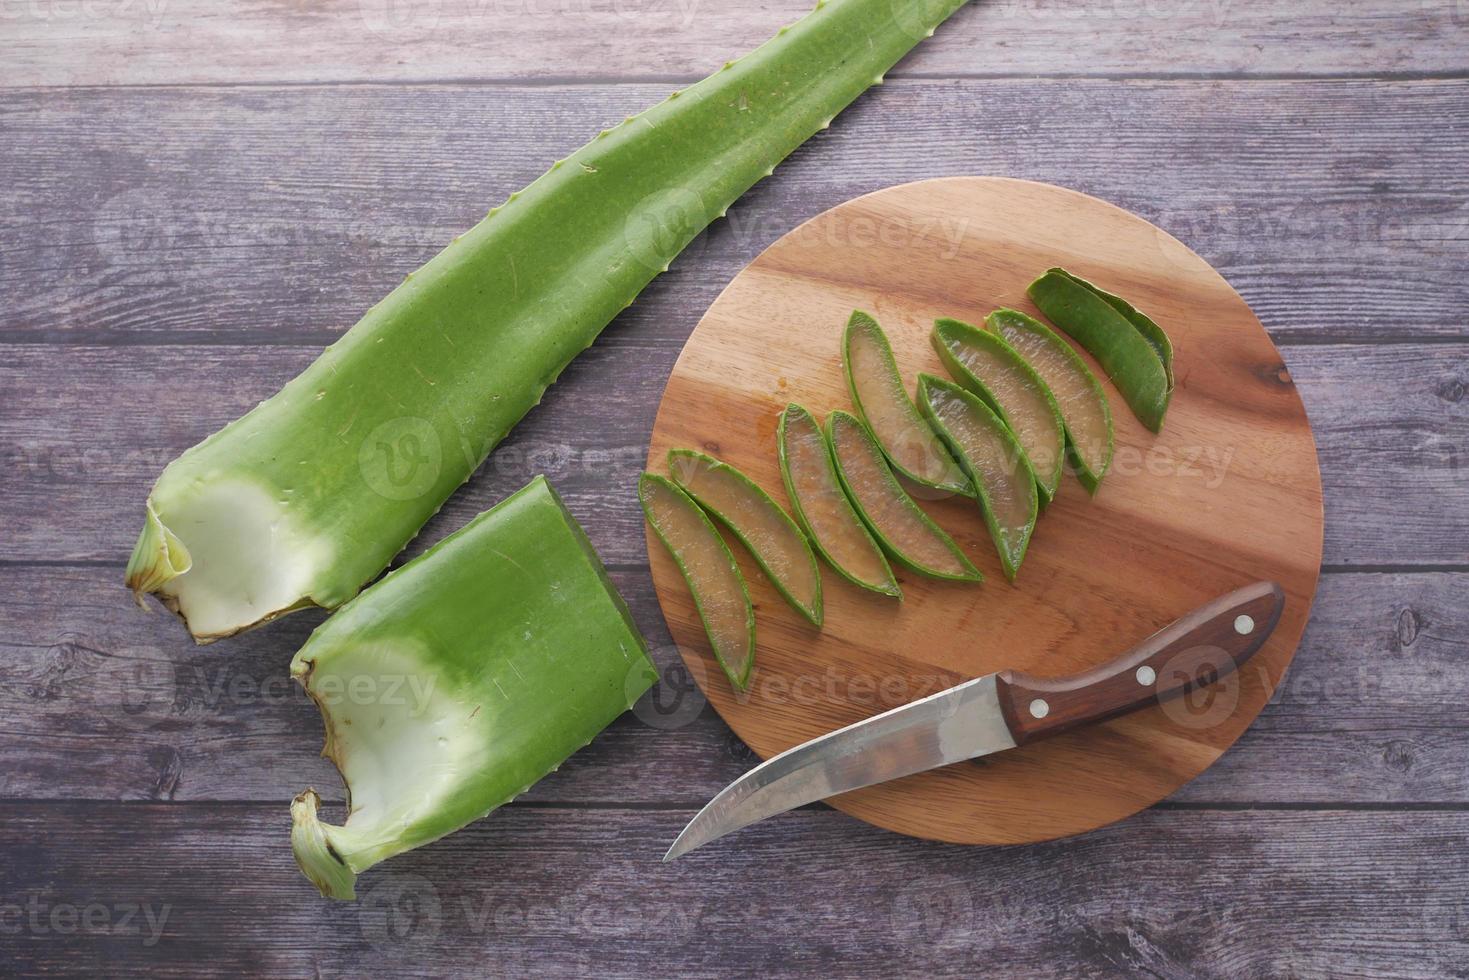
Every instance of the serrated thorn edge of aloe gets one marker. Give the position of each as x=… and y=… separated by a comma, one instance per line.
x=866, y=322
x=309, y=496
x=1087, y=474
x=1010, y=562
x=1132, y=362
x=793, y=410
x=959, y=329
x=839, y=418
x=739, y=678
x=812, y=613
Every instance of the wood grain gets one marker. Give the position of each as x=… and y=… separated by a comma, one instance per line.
x=104, y=703
x=255, y=41
x=1391, y=422
x=1100, y=574
x=574, y=892
x=265, y=218
x=279, y=215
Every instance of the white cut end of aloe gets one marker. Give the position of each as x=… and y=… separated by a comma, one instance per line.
x=248, y=560
x=401, y=738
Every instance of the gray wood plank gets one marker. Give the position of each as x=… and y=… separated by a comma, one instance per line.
x=85, y=430
x=103, y=702
x=151, y=42
x=278, y=215
x=552, y=892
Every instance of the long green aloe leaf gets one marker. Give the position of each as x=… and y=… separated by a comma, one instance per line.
x=310, y=495
x=459, y=680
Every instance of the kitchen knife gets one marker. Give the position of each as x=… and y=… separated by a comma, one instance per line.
x=993, y=713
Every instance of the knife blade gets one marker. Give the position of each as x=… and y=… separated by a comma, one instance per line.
x=994, y=713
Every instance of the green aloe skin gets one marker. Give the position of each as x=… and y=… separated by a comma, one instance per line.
x=992, y=369
x=312, y=493
x=775, y=541
x=710, y=571
x=459, y=680
x=1078, y=394
x=893, y=517
x=987, y=450
x=1150, y=330
x=1131, y=348
x=822, y=507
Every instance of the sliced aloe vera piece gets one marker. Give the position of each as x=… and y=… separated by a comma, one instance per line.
x=459, y=680
x=883, y=403
x=775, y=541
x=987, y=449
x=823, y=508
x=988, y=366
x=1151, y=332
x=1085, y=413
x=709, y=569
x=1133, y=350
x=908, y=534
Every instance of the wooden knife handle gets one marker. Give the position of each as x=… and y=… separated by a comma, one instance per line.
x=1209, y=643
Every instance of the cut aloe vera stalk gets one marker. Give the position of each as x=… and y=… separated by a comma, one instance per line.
x=707, y=566
x=987, y=449
x=1132, y=349
x=882, y=401
x=988, y=366
x=777, y=544
x=822, y=506
x=452, y=685
x=908, y=534
x=310, y=495
x=1078, y=394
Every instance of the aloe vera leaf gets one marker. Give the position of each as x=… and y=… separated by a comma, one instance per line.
x=763, y=527
x=310, y=495
x=988, y=366
x=1131, y=360
x=1150, y=330
x=987, y=449
x=459, y=680
x=883, y=403
x=713, y=577
x=822, y=506
x=905, y=531
x=1078, y=394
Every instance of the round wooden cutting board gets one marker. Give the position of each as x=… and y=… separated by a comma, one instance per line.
x=1229, y=493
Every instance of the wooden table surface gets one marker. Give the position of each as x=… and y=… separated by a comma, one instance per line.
x=198, y=194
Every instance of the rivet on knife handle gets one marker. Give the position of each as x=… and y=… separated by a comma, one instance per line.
x=1207, y=644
